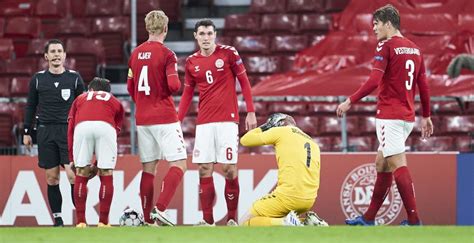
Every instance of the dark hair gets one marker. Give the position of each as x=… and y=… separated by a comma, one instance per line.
x=388, y=13
x=205, y=23
x=100, y=84
x=52, y=41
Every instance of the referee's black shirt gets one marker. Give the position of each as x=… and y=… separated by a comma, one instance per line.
x=53, y=94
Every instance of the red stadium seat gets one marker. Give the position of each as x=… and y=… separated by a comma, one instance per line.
x=332, y=125
x=438, y=24
x=5, y=87
x=287, y=63
x=262, y=64
x=241, y=24
x=288, y=43
x=143, y=7
x=459, y=124
x=22, y=27
x=465, y=22
x=76, y=27
x=2, y=26
x=78, y=8
x=465, y=144
x=6, y=125
x=124, y=146
x=268, y=6
x=305, y=6
x=7, y=49
x=367, y=125
x=103, y=8
x=446, y=107
x=261, y=108
x=308, y=124
x=52, y=8
x=113, y=32
x=318, y=23
x=279, y=23
x=364, y=108
x=357, y=144
x=21, y=67
x=172, y=10
x=335, y=5
x=252, y=44
x=224, y=40
x=16, y=8
x=324, y=143
x=18, y=112
x=363, y=23
x=89, y=55
x=19, y=87
x=36, y=47
x=299, y=108
x=322, y=108
x=443, y=143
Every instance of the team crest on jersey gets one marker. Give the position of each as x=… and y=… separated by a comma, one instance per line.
x=219, y=63
x=356, y=193
x=65, y=93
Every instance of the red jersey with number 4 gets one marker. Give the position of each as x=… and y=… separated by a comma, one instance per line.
x=215, y=77
x=402, y=63
x=94, y=106
x=150, y=66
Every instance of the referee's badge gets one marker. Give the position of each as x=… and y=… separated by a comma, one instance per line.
x=65, y=93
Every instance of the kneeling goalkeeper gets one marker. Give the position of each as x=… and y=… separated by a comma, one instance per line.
x=298, y=161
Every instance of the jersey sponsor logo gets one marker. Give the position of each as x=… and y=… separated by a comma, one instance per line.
x=378, y=58
x=356, y=192
x=219, y=63
x=407, y=50
x=144, y=55
x=196, y=68
x=65, y=93
x=56, y=84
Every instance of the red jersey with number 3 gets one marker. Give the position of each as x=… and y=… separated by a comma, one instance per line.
x=402, y=63
x=150, y=64
x=215, y=77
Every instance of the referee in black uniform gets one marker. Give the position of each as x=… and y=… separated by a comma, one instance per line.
x=52, y=91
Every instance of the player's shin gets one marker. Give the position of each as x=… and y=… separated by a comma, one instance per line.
x=80, y=197
x=106, y=193
x=381, y=190
x=146, y=194
x=407, y=193
x=168, y=187
x=231, y=192
x=207, y=195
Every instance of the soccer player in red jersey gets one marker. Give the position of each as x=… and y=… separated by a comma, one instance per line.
x=213, y=69
x=95, y=119
x=152, y=78
x=398, y=69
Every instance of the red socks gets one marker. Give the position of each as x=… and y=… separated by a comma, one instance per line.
x=207, y=194
x=146, y=194
x=80, y=197
x=168, y=187
x=407, y=192
x=231, y=193
x=381, y=190
x=106, y=193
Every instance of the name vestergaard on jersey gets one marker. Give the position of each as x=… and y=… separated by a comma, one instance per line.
x=407, y=50
x=144, y=55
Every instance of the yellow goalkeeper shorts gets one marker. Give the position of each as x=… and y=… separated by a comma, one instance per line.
x=275, y=205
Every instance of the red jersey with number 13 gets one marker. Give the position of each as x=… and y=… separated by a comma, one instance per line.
x=150, y=65
x=402, y=63
x=215, y=77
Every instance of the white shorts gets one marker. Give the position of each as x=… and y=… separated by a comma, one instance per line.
x=216, y=142
x=392, y=135
x=95, y=136
x=161, y=142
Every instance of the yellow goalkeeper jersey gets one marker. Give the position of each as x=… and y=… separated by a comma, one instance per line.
x=298, y=159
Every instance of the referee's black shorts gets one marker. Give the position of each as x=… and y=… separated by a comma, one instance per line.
x=52, y=145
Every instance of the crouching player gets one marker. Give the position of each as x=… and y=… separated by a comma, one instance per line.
x=95, y=119
x=298, y=161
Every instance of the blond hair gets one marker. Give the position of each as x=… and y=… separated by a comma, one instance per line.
x=156, y=21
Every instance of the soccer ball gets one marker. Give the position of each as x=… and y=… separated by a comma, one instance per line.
x=130, y=217
x=312, y=219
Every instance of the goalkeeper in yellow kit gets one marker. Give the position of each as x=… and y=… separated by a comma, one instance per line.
x=299, y=162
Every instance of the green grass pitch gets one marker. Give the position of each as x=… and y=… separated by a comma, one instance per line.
x=337, y=234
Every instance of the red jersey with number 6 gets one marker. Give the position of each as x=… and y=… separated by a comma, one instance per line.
x=215, y=77
x=401, y=61
x=151, y=65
